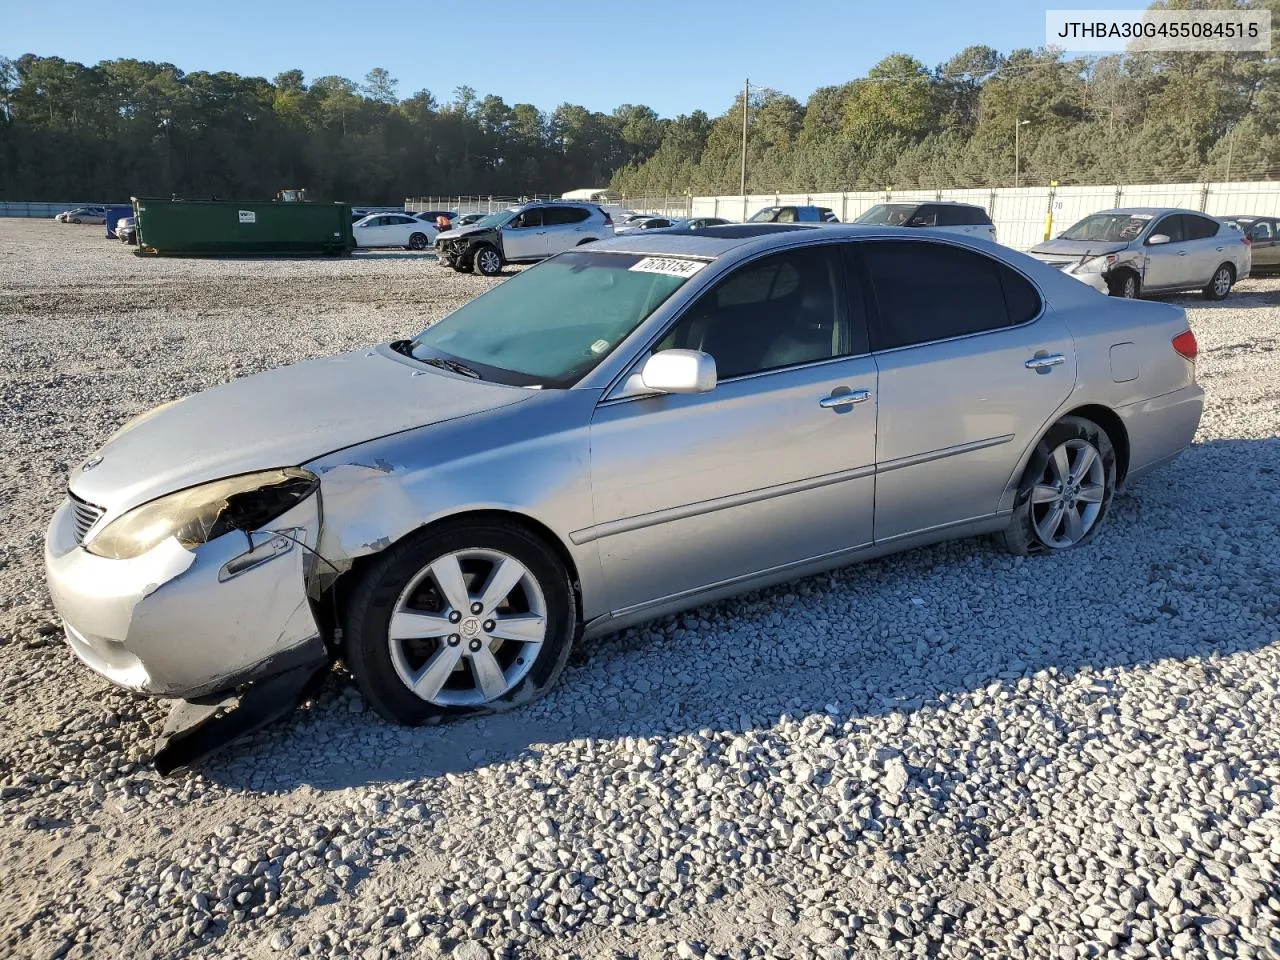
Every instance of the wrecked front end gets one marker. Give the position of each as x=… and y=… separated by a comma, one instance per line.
x=217, y=612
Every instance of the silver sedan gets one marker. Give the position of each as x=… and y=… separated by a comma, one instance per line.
x=621, y=432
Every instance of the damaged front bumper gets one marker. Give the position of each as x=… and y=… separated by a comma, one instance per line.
x=187, y=622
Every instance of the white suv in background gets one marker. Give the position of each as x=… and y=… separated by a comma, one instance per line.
x=945, y=215
x=524, y=234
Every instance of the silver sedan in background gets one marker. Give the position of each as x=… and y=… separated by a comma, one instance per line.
x=622, y=432
x=1138, y=250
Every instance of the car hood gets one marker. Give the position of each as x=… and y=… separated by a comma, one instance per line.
x=283, y=417
x=460, y=232
x=1075, y=248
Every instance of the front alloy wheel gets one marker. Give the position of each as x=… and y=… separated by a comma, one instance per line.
x=488, y=261
x=463, y=619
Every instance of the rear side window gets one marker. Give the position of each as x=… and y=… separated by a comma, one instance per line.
x=931, y=291
x=555, y=216
x=1198, y=228
x=786, y=215
x=953, y=216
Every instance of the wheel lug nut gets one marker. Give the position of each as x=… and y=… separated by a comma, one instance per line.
x=489, y=625
x=454, y=616
x=454, y=639
x=475, y=646
x=476, y=608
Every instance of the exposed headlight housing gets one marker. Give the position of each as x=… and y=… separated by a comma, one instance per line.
x=1096, y=264
x=200, y=514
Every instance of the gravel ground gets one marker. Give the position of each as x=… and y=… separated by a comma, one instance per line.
x=948, y=753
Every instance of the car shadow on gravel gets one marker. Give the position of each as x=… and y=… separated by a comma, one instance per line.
x=1174, y=574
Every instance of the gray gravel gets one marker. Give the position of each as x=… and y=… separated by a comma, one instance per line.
x=952, y=752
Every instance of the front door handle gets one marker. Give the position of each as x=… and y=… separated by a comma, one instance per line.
x=1182, y=253
x=838, y=400
x=1043, y=362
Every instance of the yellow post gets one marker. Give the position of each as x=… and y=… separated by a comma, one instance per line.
x=1048, y=222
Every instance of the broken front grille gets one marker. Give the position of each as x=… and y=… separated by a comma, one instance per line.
x=86, y=515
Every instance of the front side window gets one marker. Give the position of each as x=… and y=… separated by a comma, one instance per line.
x=889, y=214
x=530, y=218
x=932, y=291
x=1171, y=227
x=551, y=324
x=779, y=311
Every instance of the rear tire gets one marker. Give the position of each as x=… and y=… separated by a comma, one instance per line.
x=418, y=241
x=524, y=630
x=1065, y=491
x=1220, y=284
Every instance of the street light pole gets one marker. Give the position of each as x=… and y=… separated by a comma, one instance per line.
x=746, y=96
x=1017, y=130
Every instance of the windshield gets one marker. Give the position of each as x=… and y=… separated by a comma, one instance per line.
x=493, y=219
x=888, y=214
x=552, y=324
x=767, y=215
x=1109, y=227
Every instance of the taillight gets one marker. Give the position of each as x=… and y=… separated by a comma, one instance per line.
x=1185, y=345
x=1247, y=240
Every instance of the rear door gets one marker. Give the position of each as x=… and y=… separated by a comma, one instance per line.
x=563, y=228
x=972, y=364
x=1208, y=243
x=1168, y=264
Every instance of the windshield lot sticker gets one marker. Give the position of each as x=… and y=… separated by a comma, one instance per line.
x=671, y=266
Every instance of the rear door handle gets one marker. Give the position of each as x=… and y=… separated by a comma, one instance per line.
x=838, y=400
x=1044, y=362
x=1182, y=253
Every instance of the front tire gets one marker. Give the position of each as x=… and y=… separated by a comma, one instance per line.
x=487, y=260
x=1220, y=284
x=1125, y=285
x=1066, y=490
x=468, y=618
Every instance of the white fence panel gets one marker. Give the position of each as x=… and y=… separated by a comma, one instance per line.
x=1019, y=215
x=978, y=196
x=1185, y=195
x=857, y=203
x=1261, y=198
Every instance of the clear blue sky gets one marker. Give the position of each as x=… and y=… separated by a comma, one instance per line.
x=674, y=55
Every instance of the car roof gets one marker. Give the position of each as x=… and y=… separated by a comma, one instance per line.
x=1151, y=211
x=1244, y=216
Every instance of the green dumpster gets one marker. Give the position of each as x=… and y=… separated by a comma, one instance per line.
x=210, y=228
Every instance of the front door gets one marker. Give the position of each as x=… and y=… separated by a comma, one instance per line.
x=771, y=467
x=972, y=367
x=1265, y=235
x=525, y=238
x=1168, y=264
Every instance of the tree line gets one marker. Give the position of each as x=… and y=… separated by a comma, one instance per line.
x=128, y=127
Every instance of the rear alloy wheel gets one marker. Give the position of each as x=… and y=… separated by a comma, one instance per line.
x=463, y=620
x=1220, y=285
x=418, y=241
x=488, y=261
x=1066, y=490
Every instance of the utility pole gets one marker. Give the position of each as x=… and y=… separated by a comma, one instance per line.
x=746, y=97
x=1231, y=147
x=1017, y=130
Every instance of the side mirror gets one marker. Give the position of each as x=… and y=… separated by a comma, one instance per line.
x=679, y=371
x=1156, y=239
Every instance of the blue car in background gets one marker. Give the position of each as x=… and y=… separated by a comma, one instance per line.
x=114, y=215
